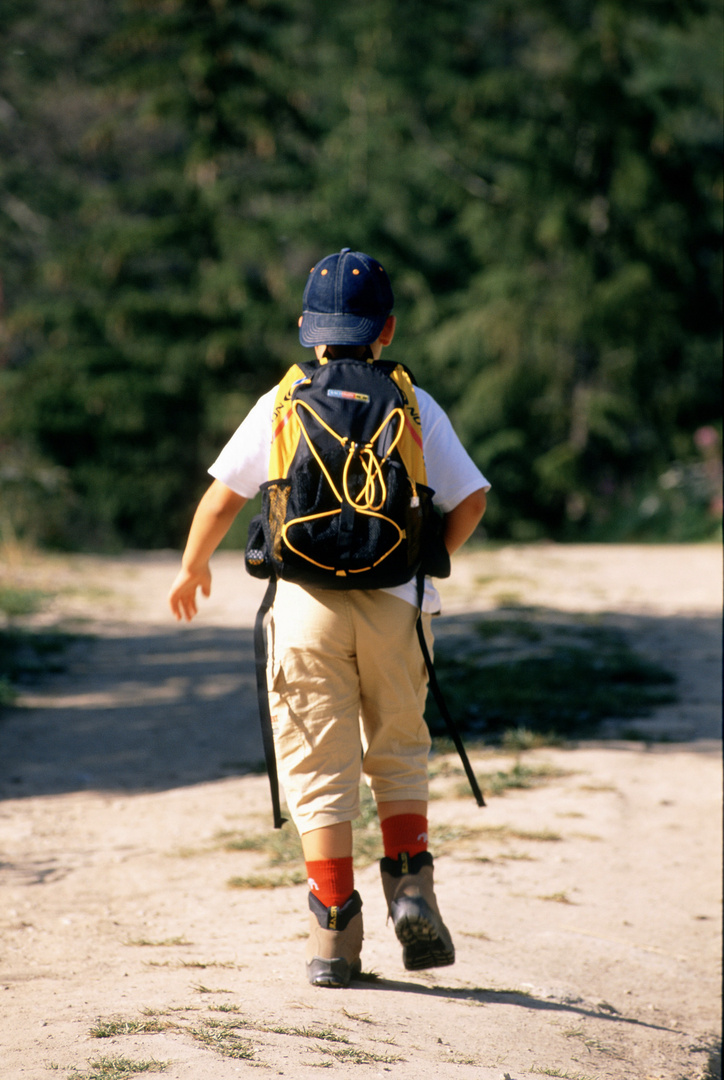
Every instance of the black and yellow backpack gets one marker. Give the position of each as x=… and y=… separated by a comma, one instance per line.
x=346, y=505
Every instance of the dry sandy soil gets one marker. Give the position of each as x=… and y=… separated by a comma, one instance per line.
x=586, y=910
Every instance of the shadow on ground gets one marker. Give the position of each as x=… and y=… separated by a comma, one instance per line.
x=159, y=710
x=139, y=713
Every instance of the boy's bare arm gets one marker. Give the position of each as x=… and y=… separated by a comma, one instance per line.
x=462, y=520
x=212, y=520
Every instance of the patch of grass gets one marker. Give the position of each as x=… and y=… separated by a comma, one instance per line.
x=199, y=964
x=443, y=838
x=512, y=856
x=545, y=836
x=368, y=976
x=281, y=846
x=24, y=652
x=218, y=1035
x=356, y=1056
x=562, y=1073
x=14, y=602
x=171, y=1010
x=359, y=1018
x=325, y=1034
x=527, y=671
x=509, y=598
x=517, y=740
x=592, y=1044
x=520, y=776
x=117, y=1068
x=161, y=943
x=108, y=1029
x=203, y=964
x=201, y=989
x=221, y=1036
x=8, y=693
x=447, y=838
x=268, y=881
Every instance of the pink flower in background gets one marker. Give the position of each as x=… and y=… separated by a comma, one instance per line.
x=706, y=438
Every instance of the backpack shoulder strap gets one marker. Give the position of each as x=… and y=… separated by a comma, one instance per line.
x=392, y=365
x=285, y=436
x=410, y=446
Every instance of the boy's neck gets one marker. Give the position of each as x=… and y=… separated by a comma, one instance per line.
x=348, y=352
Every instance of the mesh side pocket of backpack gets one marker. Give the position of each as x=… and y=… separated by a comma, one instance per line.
x=256, y=556
x=275, y=499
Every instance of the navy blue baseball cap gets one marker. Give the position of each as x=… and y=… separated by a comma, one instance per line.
x=347, y=300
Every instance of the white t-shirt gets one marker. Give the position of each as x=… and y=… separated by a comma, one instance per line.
x=243, y=465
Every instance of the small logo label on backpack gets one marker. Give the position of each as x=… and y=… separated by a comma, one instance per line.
x=348, y=395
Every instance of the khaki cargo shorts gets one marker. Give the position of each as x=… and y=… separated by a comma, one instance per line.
x=347, y=687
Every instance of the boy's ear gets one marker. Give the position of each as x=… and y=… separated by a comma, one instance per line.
x=388, y=330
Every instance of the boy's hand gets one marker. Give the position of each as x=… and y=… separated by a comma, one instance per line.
x=212, y=520
x=182, y=597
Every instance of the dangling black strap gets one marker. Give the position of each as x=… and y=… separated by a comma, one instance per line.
x=260, y=659
x=440, y=700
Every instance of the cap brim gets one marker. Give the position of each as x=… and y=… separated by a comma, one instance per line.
x=320, y=328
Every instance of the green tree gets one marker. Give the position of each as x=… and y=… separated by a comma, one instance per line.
x=163, y=291
x=50, y=58
x=586, y=341
x=542, y=180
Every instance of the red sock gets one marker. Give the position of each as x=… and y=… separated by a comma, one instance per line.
x=404, y=832
x=331, y=880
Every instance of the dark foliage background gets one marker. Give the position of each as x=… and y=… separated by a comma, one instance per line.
x=542, y=179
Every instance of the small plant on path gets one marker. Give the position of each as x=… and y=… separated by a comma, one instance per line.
x=117, y=1068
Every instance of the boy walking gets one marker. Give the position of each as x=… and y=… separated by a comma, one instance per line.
x=347, y=680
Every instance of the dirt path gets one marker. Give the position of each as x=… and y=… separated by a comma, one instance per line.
x=586, y=910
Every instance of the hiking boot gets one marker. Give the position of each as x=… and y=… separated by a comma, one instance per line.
x=411, y=903
x=335, y=942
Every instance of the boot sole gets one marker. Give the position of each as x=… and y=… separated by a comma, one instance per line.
x=335, y=974
x=425, y=940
